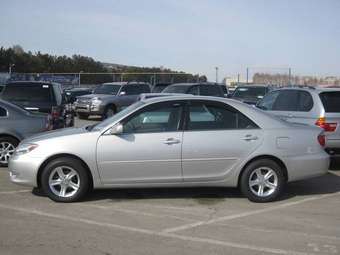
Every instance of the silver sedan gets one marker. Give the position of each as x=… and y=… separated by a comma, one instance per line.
x=175, y=141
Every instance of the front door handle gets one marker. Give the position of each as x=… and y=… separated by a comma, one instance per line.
x=250, y=138
x=170, y=141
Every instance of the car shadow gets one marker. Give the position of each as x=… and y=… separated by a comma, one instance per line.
x=327, y=184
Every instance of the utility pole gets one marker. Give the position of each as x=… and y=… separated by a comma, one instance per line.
x=216, y=68
x=10, y=68
x=79, y=77
x=238, y=78
x=290, y=76
x=247, y=75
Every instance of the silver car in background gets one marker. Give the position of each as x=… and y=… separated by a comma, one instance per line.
x=16, y=124
x=175, y=141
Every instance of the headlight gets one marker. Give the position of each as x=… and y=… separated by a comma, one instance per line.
x=25, y=148
x=96, y=101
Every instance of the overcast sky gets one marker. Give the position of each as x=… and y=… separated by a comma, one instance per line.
x=188, y=35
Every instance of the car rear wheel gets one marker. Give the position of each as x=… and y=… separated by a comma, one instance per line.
x=262, y=181
x=7, y=148
x=65, y=180
x=82, y=116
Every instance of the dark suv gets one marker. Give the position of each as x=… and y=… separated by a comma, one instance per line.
x=36, y=96
x=109, y=98
x=202, y=89
x=250, y=94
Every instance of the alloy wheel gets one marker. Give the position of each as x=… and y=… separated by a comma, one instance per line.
x=6, y=151
x=64, y=181
x=263, y=181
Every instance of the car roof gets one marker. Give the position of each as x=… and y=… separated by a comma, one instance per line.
x=309, y=89
x=123, y=83
x=254, y=86
x=31, y=82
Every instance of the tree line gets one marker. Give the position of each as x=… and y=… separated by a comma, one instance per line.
x=29, y=62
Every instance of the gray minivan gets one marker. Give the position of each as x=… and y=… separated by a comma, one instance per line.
x=308, y=105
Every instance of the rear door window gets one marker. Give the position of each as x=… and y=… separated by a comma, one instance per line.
x=305, y=101
x=287, y=100
x=268, y=101
x=331, y=101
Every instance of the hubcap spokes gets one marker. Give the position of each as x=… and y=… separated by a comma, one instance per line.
x=263, y=181
x=6, y=151
x=64, y=181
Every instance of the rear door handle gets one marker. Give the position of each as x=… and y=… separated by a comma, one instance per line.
x=170, y=141
x=250, y=138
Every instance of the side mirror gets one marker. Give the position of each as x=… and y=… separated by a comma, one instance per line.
x=122, y=93
x=116, y=129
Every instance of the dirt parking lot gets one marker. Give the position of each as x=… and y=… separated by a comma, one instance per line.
x=173, y=221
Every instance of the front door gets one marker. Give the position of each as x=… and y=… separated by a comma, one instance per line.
x=148, y=150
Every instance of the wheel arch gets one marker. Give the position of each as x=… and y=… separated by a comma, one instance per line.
x=10, y=135
x=49, y=159
x=271, y=157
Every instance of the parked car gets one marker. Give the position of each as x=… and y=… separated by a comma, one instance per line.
x=250, y=94
x=224, y=89
x=36, y=96
x=202, y=89
x=109, y=98
x=72, y=94
x=308, y=105
x=175, y=141
x=15, y=125
x=159, y=87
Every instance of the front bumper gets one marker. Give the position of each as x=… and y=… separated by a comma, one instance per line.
x=23, y=170
x=89, y=109
x=307, y=166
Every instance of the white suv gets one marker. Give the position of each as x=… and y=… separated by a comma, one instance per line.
x=308, y=105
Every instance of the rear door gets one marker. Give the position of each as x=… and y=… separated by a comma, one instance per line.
x=216, y=137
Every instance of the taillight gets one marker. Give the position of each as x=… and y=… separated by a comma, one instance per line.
x=327, y=126
x=55, y=113
x=322, y=140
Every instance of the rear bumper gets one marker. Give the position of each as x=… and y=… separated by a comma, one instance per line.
x=307, y=166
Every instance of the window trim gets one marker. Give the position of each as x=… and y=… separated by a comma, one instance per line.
x=7, y=113
x=219, y=104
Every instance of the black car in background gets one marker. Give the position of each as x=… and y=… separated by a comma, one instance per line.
x=72, y=94
x=250, y=94
x=159, y=87
x=36, y=96
x=199, y=89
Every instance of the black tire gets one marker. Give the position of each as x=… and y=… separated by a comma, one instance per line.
x=78, y=167
x=109, y=112
x=249, y=172
x=10, y=140
x=83, y=116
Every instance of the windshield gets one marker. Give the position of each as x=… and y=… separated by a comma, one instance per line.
x=176, y=89
x=158, y=88
x=27, y=92
x=109, y=89
x=117, y=116
x=249, y=92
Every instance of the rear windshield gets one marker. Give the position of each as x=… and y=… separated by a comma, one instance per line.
x=249, y=92
x=28, y=92
x=109, y=89
x=331, y=101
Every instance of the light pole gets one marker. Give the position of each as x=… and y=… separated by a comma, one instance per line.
x=216, y=68
x=10, y=68
x=79, y=77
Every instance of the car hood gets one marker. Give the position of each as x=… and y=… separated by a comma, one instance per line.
x=101, y=96
x=55, y=134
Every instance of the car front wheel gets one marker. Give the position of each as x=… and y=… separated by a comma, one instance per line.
x=65, y=180
x=262, y=181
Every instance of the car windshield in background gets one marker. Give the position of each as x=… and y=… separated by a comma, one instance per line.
x=331, y=101
x=176, y=89
x=25, y=92
x=249, y=92
x=109, y=89
x=159, y=88
x=115, y=117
